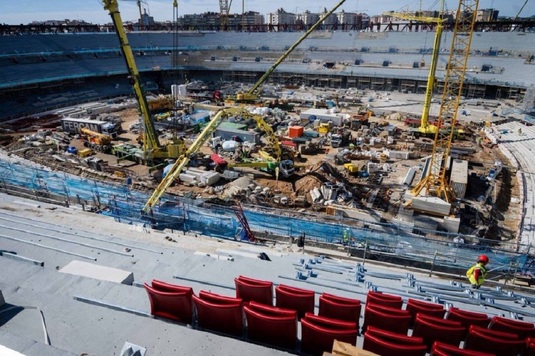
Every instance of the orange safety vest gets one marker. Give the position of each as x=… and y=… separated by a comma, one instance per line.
x=471, y=277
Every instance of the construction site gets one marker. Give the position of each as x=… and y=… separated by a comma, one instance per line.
x=388, y=151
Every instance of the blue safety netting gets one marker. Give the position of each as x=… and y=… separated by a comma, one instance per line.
x=124, y=204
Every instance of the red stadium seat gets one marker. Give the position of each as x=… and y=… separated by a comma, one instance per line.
x=176, y=305
x=521, y=328
x=318, y=333
x=390, y=319
x=218, y=298
x=270, y=325
x=219, y=313
x=389, y=300
x=433, y=329
x=495, y=342
x=254, y=290
x=442, y=349
x=415, y=306
x=530, y=347
x=254, y=281
x=494, y=333
x=380, y=346
x=168, y=287
x=468, y=318
x=341, y=308
x=387, y=309
x=395, y=338
x=301, y=300
x=330, y=322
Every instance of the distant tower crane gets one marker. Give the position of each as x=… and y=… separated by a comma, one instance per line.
x=426, y=128
x=434, y=182
x=519, y=11
x=140, y=15
x=224, y=11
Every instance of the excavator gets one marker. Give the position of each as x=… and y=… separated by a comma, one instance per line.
x=96, y=141
x=252, y=97
x=154, y=151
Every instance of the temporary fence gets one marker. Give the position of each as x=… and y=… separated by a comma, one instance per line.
x=124, y=204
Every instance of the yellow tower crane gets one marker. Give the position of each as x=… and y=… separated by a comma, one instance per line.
x=434, y=182
x=224, y=12
x=153, y=150
x=140, y=15
x=252, y=96
x=426, y=128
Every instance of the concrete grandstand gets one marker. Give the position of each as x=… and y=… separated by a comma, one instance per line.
x=87, y=312
x=33, y=67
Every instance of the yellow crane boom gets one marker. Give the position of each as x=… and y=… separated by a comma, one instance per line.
x=152, y=148
x=434, y=182
x=252, y=94
x=426, y=128
x=203, y=136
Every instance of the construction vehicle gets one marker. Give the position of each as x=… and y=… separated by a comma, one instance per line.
x=96, y=141
x=434, y=182
x=425, y=128
x=73, y=125
x=252, y=96
x=284, y=168
x=159, y=104
x=86, y=152
x=354, y=170
x=340, y=138
x=325, y=127
x=271, y=160
x=153, y=151
x=269, y=164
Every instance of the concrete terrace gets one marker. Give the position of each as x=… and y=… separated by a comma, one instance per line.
x=96, y=316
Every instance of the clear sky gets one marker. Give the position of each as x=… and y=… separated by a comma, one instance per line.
x=15, y=12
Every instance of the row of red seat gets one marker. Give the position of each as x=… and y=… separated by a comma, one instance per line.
x=338, y=318
x=479, y=342
x=264, y=323
x=438, y=332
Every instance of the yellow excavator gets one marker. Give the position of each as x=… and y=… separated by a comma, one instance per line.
x=153, y=151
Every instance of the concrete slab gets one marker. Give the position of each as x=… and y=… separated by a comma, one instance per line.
x=102, y=273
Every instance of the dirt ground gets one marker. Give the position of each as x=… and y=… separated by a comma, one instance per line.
x=503, y=214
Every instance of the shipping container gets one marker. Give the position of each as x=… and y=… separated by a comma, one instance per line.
x=295, y=131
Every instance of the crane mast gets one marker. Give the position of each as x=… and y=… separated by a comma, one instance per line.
x=140, y=15
x=435, y=182
x=425, y=128
x=224, y=11
x=252, y=94
x=152, y=148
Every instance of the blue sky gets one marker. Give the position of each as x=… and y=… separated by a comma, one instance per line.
x=25, y=11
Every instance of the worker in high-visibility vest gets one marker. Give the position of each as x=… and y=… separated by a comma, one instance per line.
x=478, y=272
